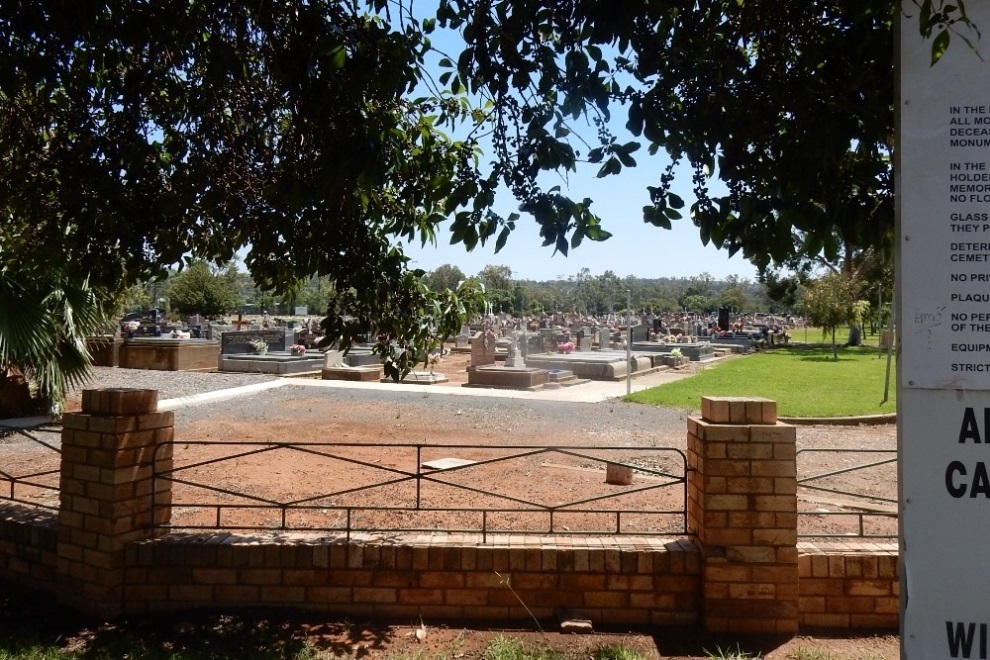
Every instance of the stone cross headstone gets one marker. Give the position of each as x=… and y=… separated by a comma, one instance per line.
x=483, y=349
x=514, y=358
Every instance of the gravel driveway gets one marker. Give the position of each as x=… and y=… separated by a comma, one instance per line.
x=418, y=417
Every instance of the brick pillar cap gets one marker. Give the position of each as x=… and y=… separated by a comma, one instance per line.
x=119, y=402
x=738, y=410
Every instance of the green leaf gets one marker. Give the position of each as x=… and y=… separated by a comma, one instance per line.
x=939, y=45
x=338, y=57
x=503, y=236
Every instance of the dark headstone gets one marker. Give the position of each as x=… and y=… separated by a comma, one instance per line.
x=723, y=318
x=239, y=341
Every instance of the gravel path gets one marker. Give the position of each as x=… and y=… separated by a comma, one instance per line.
x=170, y=384
x=414, y=416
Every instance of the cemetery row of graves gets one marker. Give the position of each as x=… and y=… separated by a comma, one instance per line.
x=531, y=353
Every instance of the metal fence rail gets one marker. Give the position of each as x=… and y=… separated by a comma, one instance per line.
x=31, y=487
x=873, y=514
x=386, y=488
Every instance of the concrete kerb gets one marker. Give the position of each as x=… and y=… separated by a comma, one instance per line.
x=852, y=420
x=219, y=395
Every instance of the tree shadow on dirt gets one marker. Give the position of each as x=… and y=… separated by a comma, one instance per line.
x=29, y=620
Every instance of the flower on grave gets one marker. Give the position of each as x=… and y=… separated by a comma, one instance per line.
x=676, y=352
x=130, y=326
x=297, y=349
x=434, y=359
x=258, y=345
x=566, y=347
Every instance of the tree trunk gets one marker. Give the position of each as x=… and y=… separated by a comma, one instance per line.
x=835, y=348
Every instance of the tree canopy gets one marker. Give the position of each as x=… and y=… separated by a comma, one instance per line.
x=789, y=106
x=137, y=135
x=198, y=290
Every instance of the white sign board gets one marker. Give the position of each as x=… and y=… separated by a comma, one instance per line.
x=944, y=320
x=301, y=311
x=945, y=210
x=945, y=523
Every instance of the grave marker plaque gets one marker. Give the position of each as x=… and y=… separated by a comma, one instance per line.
x=239, y=341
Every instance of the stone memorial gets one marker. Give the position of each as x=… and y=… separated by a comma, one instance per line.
x=483, y=349
x=484, y=372
x=239, y=341
x=593, y=365
x=514, y=358
x=265, y=351
x=532, y=345
x=167, y=354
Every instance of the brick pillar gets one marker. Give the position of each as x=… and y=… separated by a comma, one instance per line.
x=107, y=453
x=742, y=509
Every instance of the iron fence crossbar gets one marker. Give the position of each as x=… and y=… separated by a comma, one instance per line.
x=861, y=514
x=14, y=482
x=418, y=477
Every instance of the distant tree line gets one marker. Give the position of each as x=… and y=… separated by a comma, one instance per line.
x=587, y=293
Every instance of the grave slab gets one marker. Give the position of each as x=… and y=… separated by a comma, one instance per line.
x=369, y=374
x=419, y=378
x=278, y=363
x=446, y=463
x=593, y=365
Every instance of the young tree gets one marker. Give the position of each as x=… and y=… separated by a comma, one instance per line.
x=446, y=276
x=199, y=290
x=830, y=302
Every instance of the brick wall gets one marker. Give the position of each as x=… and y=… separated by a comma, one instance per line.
x=849, y=584
x=27, y=546
x=742, y=571
x=620, y=581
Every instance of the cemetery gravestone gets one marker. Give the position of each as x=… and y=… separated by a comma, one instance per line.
x=483, y=349
x=514, y=359
x=239, y=341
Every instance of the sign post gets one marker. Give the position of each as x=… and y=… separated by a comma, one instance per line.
x=943, y=238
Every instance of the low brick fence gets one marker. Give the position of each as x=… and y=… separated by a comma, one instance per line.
x=741, y=569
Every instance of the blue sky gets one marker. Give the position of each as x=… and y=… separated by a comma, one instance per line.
x=635, y=248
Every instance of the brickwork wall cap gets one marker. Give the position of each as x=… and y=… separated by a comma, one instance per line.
x=738, y=410
x=119, y=402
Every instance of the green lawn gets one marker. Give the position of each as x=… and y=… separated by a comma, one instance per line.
x=814, y=335
x=804, y=381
